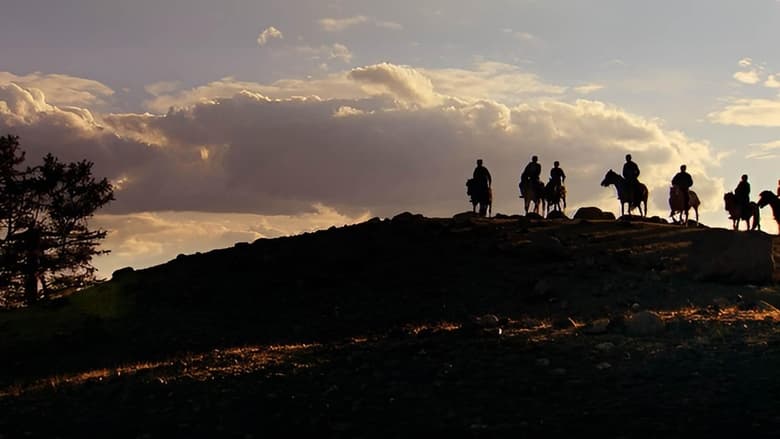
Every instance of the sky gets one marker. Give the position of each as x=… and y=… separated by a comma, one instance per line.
x=227, y=121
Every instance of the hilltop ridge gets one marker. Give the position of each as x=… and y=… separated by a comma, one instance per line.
x=396, y=325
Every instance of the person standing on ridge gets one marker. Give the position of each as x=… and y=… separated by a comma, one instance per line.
x=482, y=175
x=530, y=175
x=631, y=174
x=683, y=181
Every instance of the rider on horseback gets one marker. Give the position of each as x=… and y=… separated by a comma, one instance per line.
x=742, y=193
x=557, y=176
x=631, y=174
x=683, y=181
x=530, y=175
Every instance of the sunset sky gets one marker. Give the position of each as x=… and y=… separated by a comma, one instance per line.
x=227, y=121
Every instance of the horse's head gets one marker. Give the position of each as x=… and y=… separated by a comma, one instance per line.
x=728, y=198
x=609, y=178
x=765, y=197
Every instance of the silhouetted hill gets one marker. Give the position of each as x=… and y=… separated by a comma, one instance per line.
x=387, y=327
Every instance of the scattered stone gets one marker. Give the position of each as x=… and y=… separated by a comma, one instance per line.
x=487, y=321
x=721, y=302
x=593, y=213
x=559, y=371
x=557, y=215
x=600, y=326
x=635, y=307
x=543, y=362
x=605, y=347
x=603, y=366
x=407, y=217
x=644, y=323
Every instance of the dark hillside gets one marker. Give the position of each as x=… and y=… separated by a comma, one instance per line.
x=391, y=326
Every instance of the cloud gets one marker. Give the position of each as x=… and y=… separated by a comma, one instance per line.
x=764, y=151
x=487, y=80
x=749, y=77
x=772, y=82
x=401, y=145
x=62, y=89
x=162, y=87
x=491, y=80
x=328, y=52
x=748, y=113
x=340, y=24
x=402, y=82
x=268, y=35
x=389, y=25
x=745, y=62
x=519, y=35
x=588, y=88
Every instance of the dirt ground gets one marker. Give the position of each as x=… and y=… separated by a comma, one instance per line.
x=481, y=327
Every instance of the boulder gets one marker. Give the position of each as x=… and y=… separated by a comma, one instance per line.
x=593, y=213
x=644, y=323
x=557, y=215
x=122, y=272
x=407, y=217
x=732, y=257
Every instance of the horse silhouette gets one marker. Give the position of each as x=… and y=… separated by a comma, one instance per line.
x=534, y=193
x=676, y=205
x=767, y=197
x=624, y=195
x=737, y=212
x=480, y=195
x=554, y=195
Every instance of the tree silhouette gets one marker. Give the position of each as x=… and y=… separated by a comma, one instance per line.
x=45, y=243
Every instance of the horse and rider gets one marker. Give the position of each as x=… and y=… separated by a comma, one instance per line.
x=682, y=198
x=479, y=189
x=630, y=191
x=740, y=207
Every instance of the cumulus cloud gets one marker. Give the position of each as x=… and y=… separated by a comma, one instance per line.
x=249, y=153
x=748, y=113
x=402, y=82
x=269, y=34
x=61, y=89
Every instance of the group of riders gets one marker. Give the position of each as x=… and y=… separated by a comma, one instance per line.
x=479, y=186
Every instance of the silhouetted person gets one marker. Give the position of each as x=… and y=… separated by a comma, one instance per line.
x=742, y=192
x=557, y=176
x=631, y=174
x=683, y=181
x=530, y=175
x=482, y=176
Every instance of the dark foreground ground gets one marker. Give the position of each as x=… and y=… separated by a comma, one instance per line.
x=389, y=328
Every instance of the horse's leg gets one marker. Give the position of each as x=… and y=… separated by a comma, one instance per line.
x=696, y=209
